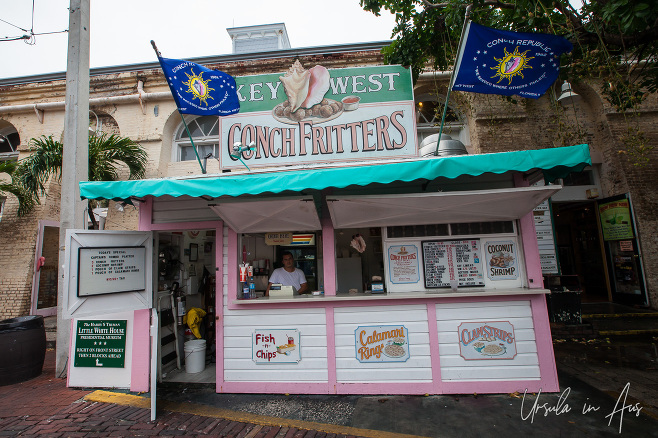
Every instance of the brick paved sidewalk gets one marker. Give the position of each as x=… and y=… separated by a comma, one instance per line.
x=45, y=407
x=91, y=419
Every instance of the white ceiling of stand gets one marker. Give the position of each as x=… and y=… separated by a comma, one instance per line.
x=435, y=208
x=268, y=215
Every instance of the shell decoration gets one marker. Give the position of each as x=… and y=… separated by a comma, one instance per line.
x=296, y=82
x=305, y=88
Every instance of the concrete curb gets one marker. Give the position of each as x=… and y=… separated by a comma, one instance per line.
x=243, y=417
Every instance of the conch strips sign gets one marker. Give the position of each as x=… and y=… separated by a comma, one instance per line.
x=486, y=340
x=105, y=270
x=312, y=114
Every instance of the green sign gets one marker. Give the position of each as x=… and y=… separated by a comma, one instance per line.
x=100, y=344
x=309, y=114
x=616, y=220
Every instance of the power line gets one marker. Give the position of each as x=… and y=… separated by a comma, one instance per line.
x=32, y=28
x=30, y=36
x=11, y=24
x=28, y=39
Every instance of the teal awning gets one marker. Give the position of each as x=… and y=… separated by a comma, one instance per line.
x=554, y=163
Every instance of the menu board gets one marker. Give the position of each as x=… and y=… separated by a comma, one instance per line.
x=446, y=260
x=106, y=270
x=403, y=264
x=545, y=238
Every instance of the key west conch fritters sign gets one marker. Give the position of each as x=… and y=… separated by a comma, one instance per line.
x=312, y=114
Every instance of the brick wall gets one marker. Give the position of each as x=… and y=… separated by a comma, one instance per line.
x=495, y=125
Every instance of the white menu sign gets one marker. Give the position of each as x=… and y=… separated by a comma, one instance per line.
x=452, y=260
x=403, y=264
x=545, y=239
x=106, y=270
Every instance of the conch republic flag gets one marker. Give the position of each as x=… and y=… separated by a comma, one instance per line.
x=502, y=62
x=199, y=90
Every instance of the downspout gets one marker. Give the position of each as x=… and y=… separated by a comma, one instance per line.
x=140, y=97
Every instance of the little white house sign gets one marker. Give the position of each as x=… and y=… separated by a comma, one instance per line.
x=312, y=114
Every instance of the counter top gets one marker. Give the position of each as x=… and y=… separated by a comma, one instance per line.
x=461, y=293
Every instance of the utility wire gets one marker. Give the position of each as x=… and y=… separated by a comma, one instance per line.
x=32, y=35
x=17, y=27
x=32, y=28
x=29, y=39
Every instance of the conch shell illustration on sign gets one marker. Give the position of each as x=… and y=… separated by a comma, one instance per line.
x=305, y=90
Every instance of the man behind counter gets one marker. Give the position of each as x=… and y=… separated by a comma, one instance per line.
x=288, y=275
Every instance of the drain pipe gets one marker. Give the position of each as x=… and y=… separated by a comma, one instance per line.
x=140, y=97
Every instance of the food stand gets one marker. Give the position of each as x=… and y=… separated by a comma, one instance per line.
x=451, y=239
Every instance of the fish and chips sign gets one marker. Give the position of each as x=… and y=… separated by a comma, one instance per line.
x=382, y=343
x=311, y=114
x=275, y=346
x=486, y=340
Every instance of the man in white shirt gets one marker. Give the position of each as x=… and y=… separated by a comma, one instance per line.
x=288, y=275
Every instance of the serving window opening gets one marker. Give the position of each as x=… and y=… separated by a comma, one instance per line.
x=359, y=261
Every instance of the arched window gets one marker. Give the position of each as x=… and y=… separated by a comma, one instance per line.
x=9, y=141
x=429, y=110
x=205, y=133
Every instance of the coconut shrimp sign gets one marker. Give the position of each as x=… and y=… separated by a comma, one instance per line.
x=311, y=114
x=501, y=260
x=486, y=340
x=382, y=343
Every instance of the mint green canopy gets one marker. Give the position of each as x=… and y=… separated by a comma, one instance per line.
x=554, y=163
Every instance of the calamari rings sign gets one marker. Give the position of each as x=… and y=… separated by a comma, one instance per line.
x=382, y=343
x=310, y=114
x=486, y=340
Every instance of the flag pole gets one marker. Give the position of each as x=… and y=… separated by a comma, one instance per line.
x=452, y=76
x=187, y=129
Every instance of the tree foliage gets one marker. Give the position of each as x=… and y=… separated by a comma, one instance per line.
x=107, y=153
x=25, y=201
x=616, y=40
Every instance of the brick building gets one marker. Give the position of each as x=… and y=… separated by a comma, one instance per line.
x=135, y=101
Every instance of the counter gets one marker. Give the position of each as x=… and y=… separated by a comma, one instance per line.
x=471, y=292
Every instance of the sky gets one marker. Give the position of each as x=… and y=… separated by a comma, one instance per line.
x=121, y=30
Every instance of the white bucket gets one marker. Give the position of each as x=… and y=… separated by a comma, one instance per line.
x=195, y=356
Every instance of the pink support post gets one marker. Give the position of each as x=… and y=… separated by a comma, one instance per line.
x=435, y=353
x=141, y=364
x=331, y=349
x=328, y=255
x=146, y=214
x=544, y=341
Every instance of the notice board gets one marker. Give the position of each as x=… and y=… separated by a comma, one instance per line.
x=106, y=270
x=445, y=260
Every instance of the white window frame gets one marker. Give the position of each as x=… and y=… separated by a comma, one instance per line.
x=181, y=140
x=4, y=134
x=457, y=130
